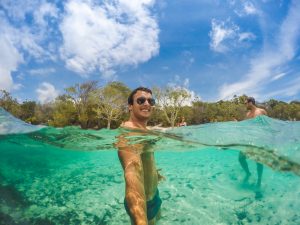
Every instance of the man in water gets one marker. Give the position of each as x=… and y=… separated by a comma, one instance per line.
x=142, y=201
x=253, y=111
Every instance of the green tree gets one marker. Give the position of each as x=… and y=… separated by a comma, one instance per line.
x=27, y=111
x=80, y=95
x=294, y=107
x=171, y=100
x=110, y=102
x=198, y=112
x=9, y=103
x=64, y=112
x=43, y=113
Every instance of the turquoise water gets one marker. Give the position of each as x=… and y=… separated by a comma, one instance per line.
x=73, y=176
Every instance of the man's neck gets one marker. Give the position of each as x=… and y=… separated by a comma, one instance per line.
x=138, y=123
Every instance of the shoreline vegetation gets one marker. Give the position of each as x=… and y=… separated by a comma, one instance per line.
x=91, y=106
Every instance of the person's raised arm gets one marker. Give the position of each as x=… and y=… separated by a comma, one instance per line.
x=130, y=159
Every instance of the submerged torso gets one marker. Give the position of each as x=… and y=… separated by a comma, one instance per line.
x=150, y=174
x=148, y=163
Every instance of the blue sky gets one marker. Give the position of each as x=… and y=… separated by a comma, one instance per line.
x=214, y=48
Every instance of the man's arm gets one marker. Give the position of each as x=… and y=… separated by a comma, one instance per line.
x=247, y=115
x=134, y=180
x=264, y=112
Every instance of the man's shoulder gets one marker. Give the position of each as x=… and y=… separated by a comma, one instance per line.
x=262, y=111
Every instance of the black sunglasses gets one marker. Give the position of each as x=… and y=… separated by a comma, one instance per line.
x=142, y=100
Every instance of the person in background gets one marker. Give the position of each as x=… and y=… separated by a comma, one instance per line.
x=253, y=111
x=182, y=122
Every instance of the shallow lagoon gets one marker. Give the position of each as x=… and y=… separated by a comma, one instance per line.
x=70, y=176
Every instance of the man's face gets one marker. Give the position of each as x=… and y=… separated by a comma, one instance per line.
x=141, y=108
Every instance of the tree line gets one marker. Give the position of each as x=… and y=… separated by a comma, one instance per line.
x=91, y=106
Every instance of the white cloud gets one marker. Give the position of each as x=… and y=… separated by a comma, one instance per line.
x=246, y=36
x=18, y=39
x=225, y=35
x=9, y=60
x=231, y=2
x=46, y=92
x=290, y=90
x=221, y=31
x=278, y=76
x=20, y=76
x=42, y=71
x=17, y=9
x=244, y=8
x=44, y=10
x=188, y=59
x=249, y=8
x=10, y=55
x=104, y=37
x=6, y=81
x=18, y=86
x=270, y=59
x=177, y=82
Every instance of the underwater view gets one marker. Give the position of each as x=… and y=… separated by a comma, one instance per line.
x=73, y=176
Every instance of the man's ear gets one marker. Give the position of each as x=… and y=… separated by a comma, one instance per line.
x=129, y=108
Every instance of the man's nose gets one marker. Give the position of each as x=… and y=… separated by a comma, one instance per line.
x=146, y=102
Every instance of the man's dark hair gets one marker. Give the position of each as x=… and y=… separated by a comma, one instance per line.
x=251, y=99
x=130, y=98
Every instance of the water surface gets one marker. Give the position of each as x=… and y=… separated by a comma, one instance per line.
x=73, y=176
